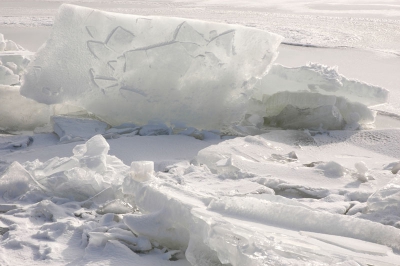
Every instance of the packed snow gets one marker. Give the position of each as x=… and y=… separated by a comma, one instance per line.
x=149, y=140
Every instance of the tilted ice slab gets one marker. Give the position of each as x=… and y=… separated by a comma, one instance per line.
x=126, y=68
x=322, y=79
x=314, y=96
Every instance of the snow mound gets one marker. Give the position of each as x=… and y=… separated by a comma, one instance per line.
x=138, y=69
x=384, y=204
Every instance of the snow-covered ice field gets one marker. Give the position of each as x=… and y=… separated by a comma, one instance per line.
x=142, y=139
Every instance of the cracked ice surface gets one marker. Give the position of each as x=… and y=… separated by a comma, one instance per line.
x=127, y=68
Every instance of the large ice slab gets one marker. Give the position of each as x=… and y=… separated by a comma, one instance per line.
x=126, y=68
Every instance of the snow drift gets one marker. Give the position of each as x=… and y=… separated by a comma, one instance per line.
x=127, y=68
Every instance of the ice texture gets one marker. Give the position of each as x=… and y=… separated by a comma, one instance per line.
x=127, y=68
x=384, y=204
x=88, y=173
x=73, y=127
x=15, y=182
x=218, y=230
x=312, y=110
x=322, y=79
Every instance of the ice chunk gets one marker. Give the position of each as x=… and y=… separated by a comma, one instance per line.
x=73, y=127
x=322, y=79
x=154, y=130
x=13, y=61
x=95, y=152
x=396, y=168
x=15, y=182
x=295, y=110
x=323, y=117
x=142, y=170
x=332, y=169
x=136, y=69
x=89, y=173
x=362, y=170
x=116, y=206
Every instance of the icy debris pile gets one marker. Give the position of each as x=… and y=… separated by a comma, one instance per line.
x=138, y=69
x=315, y=97
x=213, y=217
x=88, y=173
x=214, y=228
x=13, y=61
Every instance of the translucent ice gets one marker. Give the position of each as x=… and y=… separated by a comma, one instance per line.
x=300, y=109
x=15, y=182
x=72, y=127
x=126, y=68
x=89, y=172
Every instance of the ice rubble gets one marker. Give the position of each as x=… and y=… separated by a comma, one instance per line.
x=187, y=208
x=126, y=68
x=13, y=61
x=88, y=172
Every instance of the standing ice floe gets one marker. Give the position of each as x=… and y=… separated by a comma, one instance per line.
x=127, y=68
